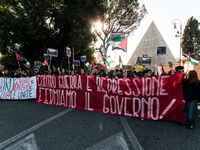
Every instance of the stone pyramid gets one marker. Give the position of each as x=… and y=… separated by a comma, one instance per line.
x=148, y=45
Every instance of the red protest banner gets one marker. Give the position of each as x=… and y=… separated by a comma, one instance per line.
x=151, y=98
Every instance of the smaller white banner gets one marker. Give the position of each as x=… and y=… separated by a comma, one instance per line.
x=18, y=88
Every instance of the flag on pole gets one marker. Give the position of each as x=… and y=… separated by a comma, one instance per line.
x=120, y=59
x=100, y=57
x=162, y=68
x=102, y=50
x=87, y=64
x=193, y=60
x=27, y=64
x=45, y=63
x=54, y=69
x=119, y=43
x=20, y=57
x=93, y=64
x=23, y=59
x=102, y=64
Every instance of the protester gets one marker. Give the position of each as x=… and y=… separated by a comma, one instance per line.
x=102, y=73
x=6, y=74
x=191, y=89
x=96, y=71
x=139, y=74
x=171, y=72
x=179, y=69
x=82, y=72
x=130, y=74
x=36, y=72
x=111, y=74
x=19, y=73
x=24, y=74
x=118, y=74
x=164, y=73
x=147, y=73
x=63, y=71
x=89, y=72
x=15, y=75
x=72, y=72
x=124, y=74
x=29, y=73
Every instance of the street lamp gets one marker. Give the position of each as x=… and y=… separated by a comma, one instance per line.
x=179, y=34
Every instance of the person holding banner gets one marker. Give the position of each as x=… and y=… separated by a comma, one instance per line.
x=96, y=71
x=129, y=74
x=6, y=74
x=179, y=69
x=111, y=74
x=82, y=72
x=171, y=72
x=72, y=72
x=191, y=88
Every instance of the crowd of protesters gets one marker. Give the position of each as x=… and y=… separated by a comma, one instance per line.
x=191, y=84
x=116, y=73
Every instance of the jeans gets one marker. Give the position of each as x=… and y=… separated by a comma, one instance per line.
x=191, y=108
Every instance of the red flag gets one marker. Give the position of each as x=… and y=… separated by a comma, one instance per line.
x=45, y=63
x=93, y=64
x=120, y=59
x=54, y=68
x=20, y=57
x=99, y=56
x=162, y=68
x=102, y=64
x=123, y=44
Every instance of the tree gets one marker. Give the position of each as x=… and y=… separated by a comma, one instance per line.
x=120, y=16
x=191, y=35
x=30, y=27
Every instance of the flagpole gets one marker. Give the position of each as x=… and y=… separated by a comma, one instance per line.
x=188, y=63
x=68, y=65
x=84, y=66
x=49, y=65
x=18, y=64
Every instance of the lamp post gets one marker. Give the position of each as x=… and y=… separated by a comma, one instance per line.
x=179, y=34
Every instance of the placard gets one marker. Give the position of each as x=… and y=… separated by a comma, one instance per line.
x=76, y=63
x=161, y=50
x=46, y=57
x=68, y=51
x=146, y=61
x=38, y=63
x=52, y=52
x=83, y=58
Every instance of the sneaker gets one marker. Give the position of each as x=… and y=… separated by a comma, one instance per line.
x=190, y=127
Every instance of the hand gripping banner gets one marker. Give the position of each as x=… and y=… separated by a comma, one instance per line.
x=151, y=98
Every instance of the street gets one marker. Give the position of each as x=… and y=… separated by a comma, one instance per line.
x=26, y=125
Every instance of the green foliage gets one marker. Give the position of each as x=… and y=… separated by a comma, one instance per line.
x=120, y=16
x=31, y=26
x=191, y=35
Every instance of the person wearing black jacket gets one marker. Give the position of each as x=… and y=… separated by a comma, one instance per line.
x=191, y=89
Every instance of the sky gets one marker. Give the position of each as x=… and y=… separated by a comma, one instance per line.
x=162, y=12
